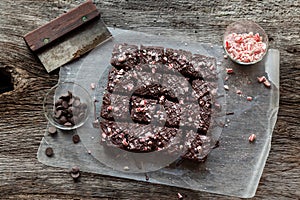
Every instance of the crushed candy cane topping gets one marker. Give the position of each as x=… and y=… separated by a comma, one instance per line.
x=245, y=47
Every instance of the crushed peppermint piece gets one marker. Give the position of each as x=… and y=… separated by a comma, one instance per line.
x=249, y=98
x=179, y=196
x=252, y=138
x=267, y=83
x=226, y=87
x=261, y=79
x=93, y=86
x=239, y=92
x=229, y=70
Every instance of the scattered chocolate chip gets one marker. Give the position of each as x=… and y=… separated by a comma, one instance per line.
x=75, y=172
x=49, y=151
x=52, y=130
x=75, y=176
x=76, y=138
x=147, y=177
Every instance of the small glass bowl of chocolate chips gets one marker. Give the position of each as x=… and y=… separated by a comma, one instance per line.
x=67, y=105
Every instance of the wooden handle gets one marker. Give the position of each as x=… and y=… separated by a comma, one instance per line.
x=62, y=25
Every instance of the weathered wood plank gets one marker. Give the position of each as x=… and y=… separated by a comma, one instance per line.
x=22, y=122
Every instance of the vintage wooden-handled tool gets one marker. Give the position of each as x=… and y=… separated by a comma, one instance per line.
x=68, y=37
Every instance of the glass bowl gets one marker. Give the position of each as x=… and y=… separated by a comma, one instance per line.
x=67, y=105
x=254, y=38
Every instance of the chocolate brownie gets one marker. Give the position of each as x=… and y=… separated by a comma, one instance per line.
x=195, y=117
x=151, y=54
x=134, y=82
x=176, y=87
x=142, y=109
x=124, y=56
x=138, y=137
x=206, y=66
x=164, y=93
x=115, y=107
x=178, y=61
x=198, y=146
x=200, y=89
x=169, y=114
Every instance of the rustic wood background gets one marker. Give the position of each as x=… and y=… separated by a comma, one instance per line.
x=22, y=122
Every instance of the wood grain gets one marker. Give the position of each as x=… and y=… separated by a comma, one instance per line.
x=22, y=122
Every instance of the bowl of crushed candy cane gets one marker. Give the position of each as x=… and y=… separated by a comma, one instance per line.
x=245, y=42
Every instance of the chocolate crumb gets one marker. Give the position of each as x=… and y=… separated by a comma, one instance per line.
x=52, y=130
x=76, y=138
x=49, y=151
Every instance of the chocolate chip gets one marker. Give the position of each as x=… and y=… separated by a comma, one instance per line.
x=75, y=170
x=75, y=176
x=58, y=114
x=49, y=151
x=76, y=103
x=58, y=102
x=76, y=138
x=52, y=130
x=65, y=104
x=71, y=101
x=62, y=120
x=68, y=124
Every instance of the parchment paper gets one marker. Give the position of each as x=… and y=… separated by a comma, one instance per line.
x=234, y=168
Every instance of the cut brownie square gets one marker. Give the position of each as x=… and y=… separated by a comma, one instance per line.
x=151, y=54
x=124, y=56
x=176, y=87
x=168, y=114
x=139, y=137
x=198, y=146
x=178, y=62
x=142, y=109
x=206, y=66
x=201, y=88
x=195, y=117
x=115, y=107
x=114, y=77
